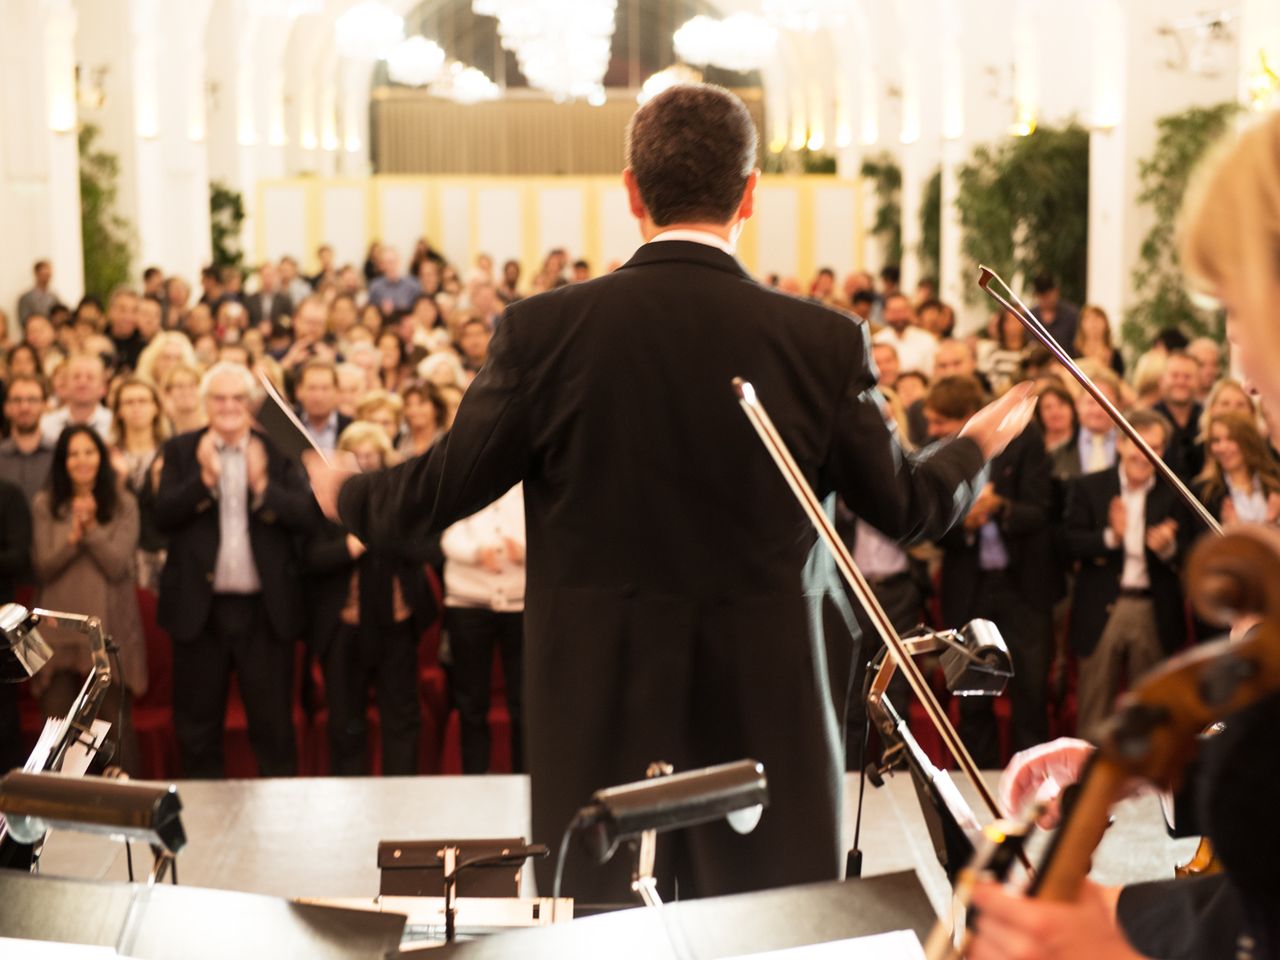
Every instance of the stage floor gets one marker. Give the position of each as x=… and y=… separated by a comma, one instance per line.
x=319, y=837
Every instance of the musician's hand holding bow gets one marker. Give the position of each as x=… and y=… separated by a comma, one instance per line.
x=996, y=425
x=1013, y=927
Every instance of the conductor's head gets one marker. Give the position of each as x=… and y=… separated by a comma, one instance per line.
x=691, y=154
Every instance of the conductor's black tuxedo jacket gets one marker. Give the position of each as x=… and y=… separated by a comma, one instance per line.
x=676, y=608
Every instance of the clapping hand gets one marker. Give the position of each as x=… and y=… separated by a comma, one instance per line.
x=1162, y=537
x=209, y=460
x=1117, y=518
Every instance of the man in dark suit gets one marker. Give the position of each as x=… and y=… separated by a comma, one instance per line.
x=1000, y=566
x=1060, y=317
x=675, y=608
x=1124, y=528
x=317, y=393
x=270, y=303
x=230, y=594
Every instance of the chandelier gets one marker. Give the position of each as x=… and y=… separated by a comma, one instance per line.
x=368, y=31
x=563, y=47
x=415, y=62
x=465, y=84
x=741, y=42
x=807, y=16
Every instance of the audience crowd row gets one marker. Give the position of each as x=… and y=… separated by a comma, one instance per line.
x=132, y=462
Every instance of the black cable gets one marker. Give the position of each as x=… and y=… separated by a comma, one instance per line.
x=128, y=856
x=574, y=826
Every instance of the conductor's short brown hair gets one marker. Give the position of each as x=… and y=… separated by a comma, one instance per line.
x=691, y=149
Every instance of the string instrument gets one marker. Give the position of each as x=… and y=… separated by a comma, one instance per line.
x=1155, y=730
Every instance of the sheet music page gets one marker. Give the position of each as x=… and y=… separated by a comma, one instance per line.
x=898, y=945
x=281, y=424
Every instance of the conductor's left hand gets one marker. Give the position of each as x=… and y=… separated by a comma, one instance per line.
x=327, y=478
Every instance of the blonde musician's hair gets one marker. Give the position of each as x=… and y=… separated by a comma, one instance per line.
x=1229, y=231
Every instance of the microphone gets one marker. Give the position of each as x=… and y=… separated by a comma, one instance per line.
x=738, y=791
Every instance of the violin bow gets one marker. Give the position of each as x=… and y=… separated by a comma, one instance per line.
x=812, y=507
x=1011, y=302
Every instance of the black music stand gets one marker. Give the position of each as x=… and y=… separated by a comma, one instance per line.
x=721, y=927
x=161, y=921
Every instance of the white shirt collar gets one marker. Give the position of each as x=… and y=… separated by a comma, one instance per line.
x=698, y=236
x=1132, y=491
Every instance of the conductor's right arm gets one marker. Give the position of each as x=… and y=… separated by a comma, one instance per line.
x=484, y=455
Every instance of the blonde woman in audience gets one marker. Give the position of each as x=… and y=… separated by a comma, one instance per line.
x=356, y=336
x=368, y=358
x=425, y=414
x=353, y=384
x=1241, y=481
x=181, y=391
x=1093, y=339
x=385, y=409
x=138, y=432
x=167, y=350
x=1227, y=395
x=1147, y=374
x=444, y=369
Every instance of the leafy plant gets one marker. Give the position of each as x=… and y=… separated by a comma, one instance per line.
x=1024, y=207
x=226, y=216
x=930, y=249
x=886, y=177
x=1181, y=142
x=106, y=235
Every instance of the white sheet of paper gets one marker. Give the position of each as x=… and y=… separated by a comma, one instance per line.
x=898, y=945
x=47, y=950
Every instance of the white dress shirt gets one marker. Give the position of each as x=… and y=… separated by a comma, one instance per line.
x=1134, y=575
x=916, y=348
x=698, y=236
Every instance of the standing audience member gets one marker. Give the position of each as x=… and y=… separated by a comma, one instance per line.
x=1059, y=317
x=392, y=291
x=473, y=345
x=367, y=611
x=230, y=594
x=484, y=603
x=1240, y=482
x=1178, y=405
x=1059, y=424
x=25, y=457
x=1093, y=340
x=916, y=347
x=15, y=566
x=86, y=386
x=1208, y=353
x=271, y=304
x=122, y=326
x=318, y=402
x=182, y=403
x=1002, y=365
x=168, y=349
x=1094, y=446
x=40, y=299
x=138, y=431
x=887, y=366
x=999, y=566
x=425, y=416
x=1122, y=528
x=84, y=534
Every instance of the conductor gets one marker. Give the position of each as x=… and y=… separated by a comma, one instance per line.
x=676, y=606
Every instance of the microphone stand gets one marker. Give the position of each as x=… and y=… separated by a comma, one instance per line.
x=452, y=868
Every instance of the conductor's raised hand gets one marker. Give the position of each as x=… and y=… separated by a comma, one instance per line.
x=327, y=478
x=994, y=426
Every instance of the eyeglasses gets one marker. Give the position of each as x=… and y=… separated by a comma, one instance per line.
x=229, y=398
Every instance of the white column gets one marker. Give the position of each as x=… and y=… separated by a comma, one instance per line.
x=1127, y=104
x=356, y=85
x=39, y=157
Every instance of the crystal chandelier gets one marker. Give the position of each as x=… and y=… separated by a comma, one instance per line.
x=415, y=62
x=465, y=84
x=368, y=31
x=562, y=46
x=741, y=42
x=807, y=16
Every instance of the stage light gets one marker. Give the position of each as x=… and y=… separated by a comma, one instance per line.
x=664, y=803
x=34, y=803
x=22, y=649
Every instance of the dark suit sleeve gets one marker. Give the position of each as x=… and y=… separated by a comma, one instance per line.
x=287, y=497
x=484, y=455
x=907, y=497
x=1027, y=509
x=182, y=493
x=15, y=537
x=1083, y=532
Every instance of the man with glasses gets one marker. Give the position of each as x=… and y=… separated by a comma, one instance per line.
x=230, y=595
x=25, y=456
